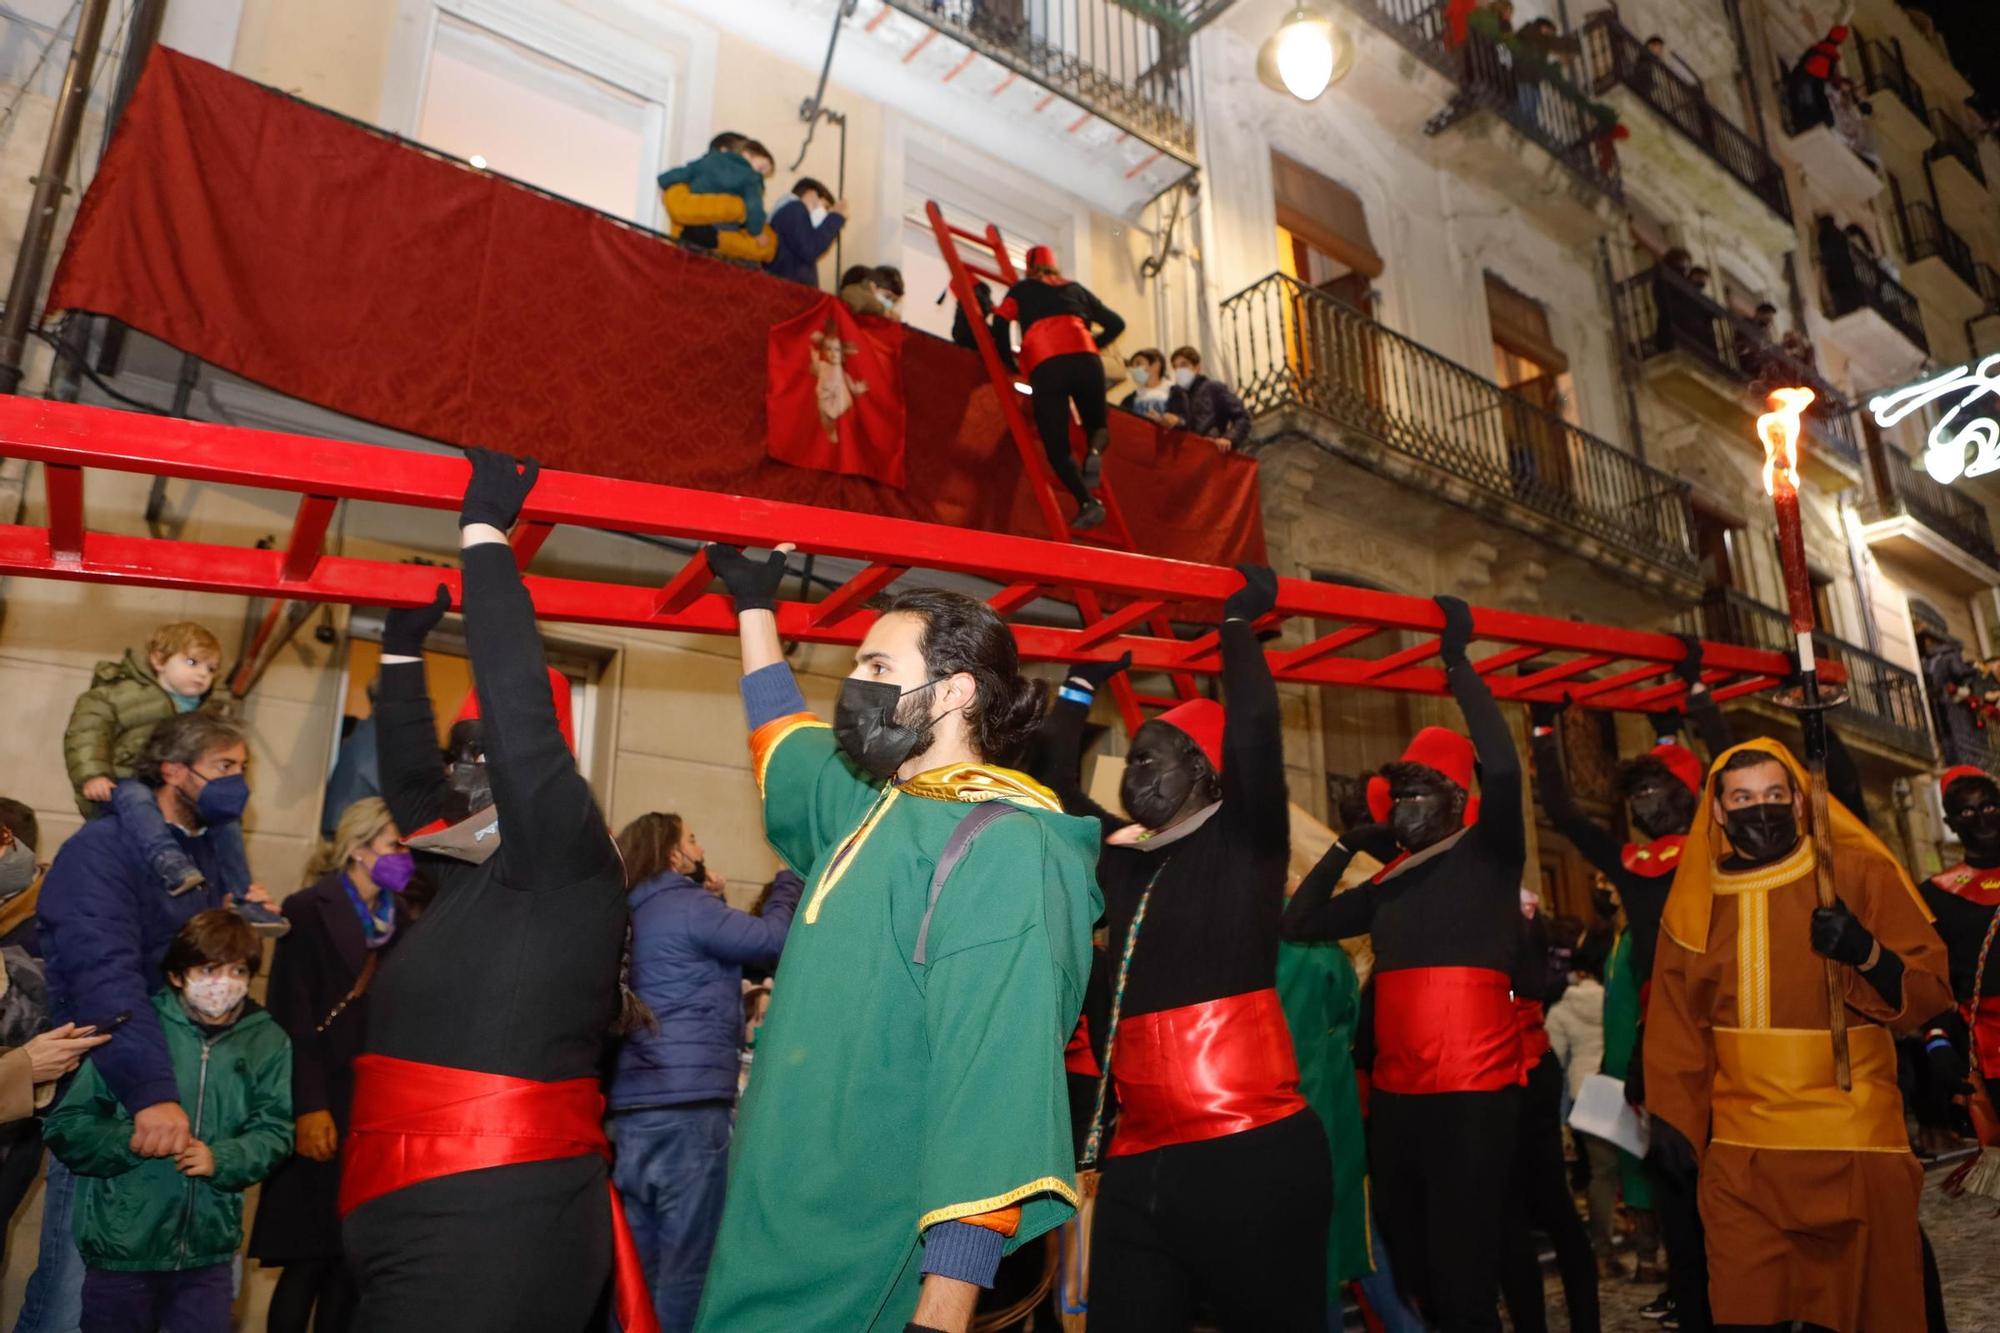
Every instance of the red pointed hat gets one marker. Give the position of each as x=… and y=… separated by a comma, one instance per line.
x=1680, y=762
x=1200, y=720
x=558, y=687
x=1042, y=256
x=1441, y=748
x=1952, y=775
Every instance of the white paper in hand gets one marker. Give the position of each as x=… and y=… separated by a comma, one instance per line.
x=1602, y=1111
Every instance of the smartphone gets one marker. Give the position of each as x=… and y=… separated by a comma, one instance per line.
x=111, y=1025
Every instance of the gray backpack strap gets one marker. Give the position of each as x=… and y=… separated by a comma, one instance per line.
x=955, y=848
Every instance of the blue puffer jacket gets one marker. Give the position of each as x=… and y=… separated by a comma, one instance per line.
x=689, y=949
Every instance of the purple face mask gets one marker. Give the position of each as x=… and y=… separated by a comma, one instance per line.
x=394, y=871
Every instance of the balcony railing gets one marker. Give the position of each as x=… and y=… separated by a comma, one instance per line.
x=1297, y=347
x=1855, y=278
x=1509, y=78
x=1124, y=60
x=1953, y=140
x=1659, y=311
x=1617, y=57
x=1986, y=279
x=1928, y=236
x=1884, y=701
x=1883, y=71
x=1951, y=514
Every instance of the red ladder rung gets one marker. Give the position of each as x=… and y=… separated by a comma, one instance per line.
x=308, y=539
x=1111, y=626
x=1013, y=597
x=980, y=271
x=1410, y=656
x=975, y=237
x=1562, y=671
x=848, y=597
x=527, y=539
x=1328, y=644
x=64, y=486
x=1505, y=658
x=1591, y=689
x=679, y=592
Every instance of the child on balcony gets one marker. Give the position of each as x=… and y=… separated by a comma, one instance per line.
x=716, y=202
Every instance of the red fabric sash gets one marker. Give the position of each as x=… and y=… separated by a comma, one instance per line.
x=1446, y=1029
x=1656, y=859
x=1975, y=886
x=1055, y=336
x=414, y=1122
x=1078, y=1057
x=1203, y=1071
x=1534, y=1032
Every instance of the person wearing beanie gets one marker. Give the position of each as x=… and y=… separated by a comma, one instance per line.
x=1962, y=1044
x=1660, y=790
x=1444, y=916
x=1215, y=1186
x=1059, y=355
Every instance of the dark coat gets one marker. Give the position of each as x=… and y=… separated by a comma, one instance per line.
x=314, y=969
x=800, y=244
x=688, y=953
x=1209, y=407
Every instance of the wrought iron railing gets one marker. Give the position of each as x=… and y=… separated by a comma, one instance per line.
x=1296, y=347
x=1928, y=236
x=1953, y=141
x=1660, y=311
x=1884, y=701
x=1883, y=71
x=1987, y=280
x=1513, y=79
x=1616, y=57
x=1125, y=60
x=1951, y=514
x=1856, y=278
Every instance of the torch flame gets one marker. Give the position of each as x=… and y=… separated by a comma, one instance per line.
x=1779, y=430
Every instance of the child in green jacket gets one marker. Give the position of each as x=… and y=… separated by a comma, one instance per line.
x=157, y=1234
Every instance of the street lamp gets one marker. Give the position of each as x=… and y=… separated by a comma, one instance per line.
x=1305, y=56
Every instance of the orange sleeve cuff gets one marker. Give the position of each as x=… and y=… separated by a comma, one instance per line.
x=1006, y=1221
x=765, y=739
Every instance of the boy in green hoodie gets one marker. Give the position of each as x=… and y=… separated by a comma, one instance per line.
x=158, y=1234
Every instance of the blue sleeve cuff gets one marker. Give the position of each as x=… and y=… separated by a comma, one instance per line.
x=962, y=1251
x=770, y=693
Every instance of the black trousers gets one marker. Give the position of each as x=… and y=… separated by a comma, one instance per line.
x=1439, y=1166
x=1236, y=1224
x=1539, y=1200
x=1679, y=1211
x=1073, y=377
x=511, y=1249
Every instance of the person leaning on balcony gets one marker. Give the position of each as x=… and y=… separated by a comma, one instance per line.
x=716, y=202
x=806, y=223
x=1152, y=388
x=1206, y=407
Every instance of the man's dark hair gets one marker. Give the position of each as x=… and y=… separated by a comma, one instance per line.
x=217, y=936
x=1639, y=770
x=1743, y=759
x=1187, y=354
x=1656, y=38
x=807, y=185
x=1763, y=306
x=963, y=634
x=729, y=141
x=21, y=822
x=647, y=844
x=184, y=739
x=749, y=146
x=855, y=273
x=888, y=277
x=1150, y=355
x=1350, y=801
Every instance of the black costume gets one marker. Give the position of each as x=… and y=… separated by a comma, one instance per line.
x=513, y=970
x=1965, y=900
x=1059, y=353
x=1445, y=924
x=313, y=972
x=1192, y=1205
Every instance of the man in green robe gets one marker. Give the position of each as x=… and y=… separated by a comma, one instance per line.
x=907, y=1121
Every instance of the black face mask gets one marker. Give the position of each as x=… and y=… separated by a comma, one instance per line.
x=698, y=872
x=1164, y=775
x=1979, y=829
x=1604, y=902
x=1423, y=818
x=869, y=722
x=1761, y=834
x=1662, y=809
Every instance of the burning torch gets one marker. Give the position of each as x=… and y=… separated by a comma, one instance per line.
x=1779, y=430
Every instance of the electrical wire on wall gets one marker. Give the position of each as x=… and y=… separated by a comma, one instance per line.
x=814, y=109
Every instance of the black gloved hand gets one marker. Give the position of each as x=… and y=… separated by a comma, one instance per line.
x=1092, y=675
x=1256, y=597
x=1666, y=724
x=1671, y=1151
x=1944, y=1075
x=752, y=584
x=404, y=628
x=1838, y=934
x=499, y=486
x=1378, y=840
x=1689, y=667
x=1456, y=636
x=1542, y=714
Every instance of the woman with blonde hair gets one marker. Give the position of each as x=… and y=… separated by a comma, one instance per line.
x=352, y=909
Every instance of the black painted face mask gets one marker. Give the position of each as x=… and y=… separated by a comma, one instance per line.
x=465, y=772
x=1662, y=808
x=876, y=728
x=1164, y=774
x=1421, y=818
x=1976, y=821
x=1761, y=834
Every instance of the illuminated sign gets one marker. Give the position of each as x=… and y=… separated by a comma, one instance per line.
x=1961, y=444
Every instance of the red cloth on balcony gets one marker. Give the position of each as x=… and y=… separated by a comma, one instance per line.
x=835, y=392
x=338, y=266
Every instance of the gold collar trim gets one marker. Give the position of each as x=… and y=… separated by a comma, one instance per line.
x=982, y=782
x=1765, y=878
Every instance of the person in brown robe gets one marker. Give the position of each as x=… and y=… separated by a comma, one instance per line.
x=1808, y=1194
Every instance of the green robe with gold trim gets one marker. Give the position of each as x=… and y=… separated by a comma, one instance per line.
x=889, y=1096
x=1322, y=1002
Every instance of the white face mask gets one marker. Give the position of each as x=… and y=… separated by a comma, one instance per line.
x=1141, y=376
x=817, y=214
x=17, y=868
x=1183, y=376
x=215, y=996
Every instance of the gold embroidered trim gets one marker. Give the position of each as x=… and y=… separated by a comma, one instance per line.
x=849, y=852
x=982, y=782
x=1764, y=878
x=1753, y=960
x=951, y=1213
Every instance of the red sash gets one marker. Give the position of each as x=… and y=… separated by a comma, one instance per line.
x=1656, y=859
x=1203, y=1071
x=1534, y=1032
x=1982, y=1018
x=1057, y=335
x=414, y=1122
x=1446, y=1029
x=1078, y=1057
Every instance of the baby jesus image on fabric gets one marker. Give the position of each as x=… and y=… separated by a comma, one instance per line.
x=834, y=400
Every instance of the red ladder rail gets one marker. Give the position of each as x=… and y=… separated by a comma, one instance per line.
x=1611, y=668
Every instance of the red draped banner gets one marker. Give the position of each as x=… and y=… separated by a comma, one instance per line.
x=338, y=266
x=834, y=397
